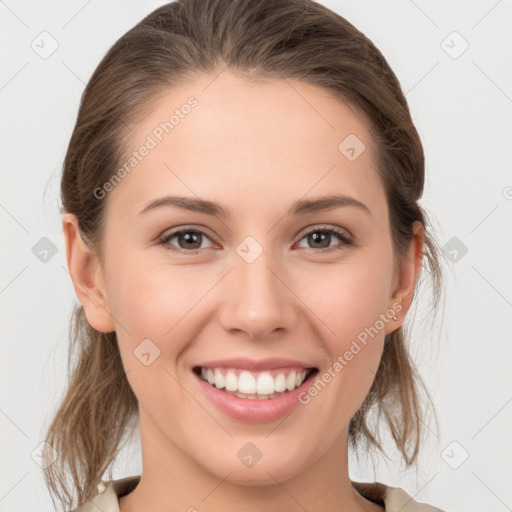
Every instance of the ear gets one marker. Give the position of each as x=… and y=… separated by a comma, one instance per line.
x=87, y=276
x=405, y=278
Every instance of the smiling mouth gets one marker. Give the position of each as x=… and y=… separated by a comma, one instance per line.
x=255, y=385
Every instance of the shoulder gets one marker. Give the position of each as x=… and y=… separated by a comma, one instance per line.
x=397, y=499
x=108, y=500
x=394, y=499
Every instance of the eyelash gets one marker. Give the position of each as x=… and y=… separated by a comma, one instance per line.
x=319, y=229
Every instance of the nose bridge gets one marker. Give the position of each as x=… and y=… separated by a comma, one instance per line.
x=259, y=301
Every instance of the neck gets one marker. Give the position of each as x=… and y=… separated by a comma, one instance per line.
x=173, y=481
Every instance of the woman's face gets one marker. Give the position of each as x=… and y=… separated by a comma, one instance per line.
x=257, y=282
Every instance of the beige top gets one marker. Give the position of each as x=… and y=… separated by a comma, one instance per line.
x=394, y=499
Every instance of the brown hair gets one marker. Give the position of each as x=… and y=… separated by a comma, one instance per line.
x=297, y=39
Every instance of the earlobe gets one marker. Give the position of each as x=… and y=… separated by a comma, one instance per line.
x=87, y=276
x=403, y=293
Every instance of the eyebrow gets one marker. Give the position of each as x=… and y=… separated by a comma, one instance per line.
x=300, y=207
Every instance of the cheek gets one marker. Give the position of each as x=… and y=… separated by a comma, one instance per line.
x=351, y=304
x=150, y=295
x=349, y=298
x=159, y=303
x=155, y=301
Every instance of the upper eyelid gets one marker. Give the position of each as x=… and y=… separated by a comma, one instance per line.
x=320, y=227
x=176, y=231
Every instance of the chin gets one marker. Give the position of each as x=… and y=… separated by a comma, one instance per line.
x=264, y=471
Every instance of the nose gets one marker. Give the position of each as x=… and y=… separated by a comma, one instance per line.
x=258, y=300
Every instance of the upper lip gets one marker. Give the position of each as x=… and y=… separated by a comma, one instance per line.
x=251, y=364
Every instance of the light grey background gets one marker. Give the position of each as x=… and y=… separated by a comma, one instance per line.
x=462, y=106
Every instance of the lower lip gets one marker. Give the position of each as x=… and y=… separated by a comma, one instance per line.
x=256, y=411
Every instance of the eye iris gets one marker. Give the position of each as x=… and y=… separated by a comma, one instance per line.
x=315, y=237
x=190, y=236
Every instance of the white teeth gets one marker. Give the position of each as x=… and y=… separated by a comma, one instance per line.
x=265, y=384
x=258, y=386
x=299, y=379
x=280, y=383
x=290, y=381
x=219, y=379
x=231, y=382
x=246, y=383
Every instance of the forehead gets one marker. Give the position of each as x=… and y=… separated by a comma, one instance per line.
x=238, y=141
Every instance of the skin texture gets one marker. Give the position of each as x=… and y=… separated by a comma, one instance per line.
x=254, y=148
